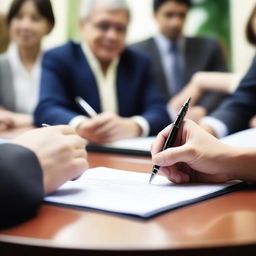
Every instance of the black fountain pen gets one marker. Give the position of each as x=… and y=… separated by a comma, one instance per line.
x=172, y=135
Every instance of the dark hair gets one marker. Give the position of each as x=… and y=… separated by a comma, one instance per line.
x=158, y=3
x=44, y=8
x=250, y=31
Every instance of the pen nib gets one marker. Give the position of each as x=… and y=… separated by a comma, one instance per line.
x=151, y=177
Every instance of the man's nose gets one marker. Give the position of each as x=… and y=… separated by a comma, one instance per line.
x=112, y=33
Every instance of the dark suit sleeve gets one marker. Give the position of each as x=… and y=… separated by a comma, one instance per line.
x=154, y=105
x=237, y=110
x=217, y=63
x=21, y=188
x=55, y=106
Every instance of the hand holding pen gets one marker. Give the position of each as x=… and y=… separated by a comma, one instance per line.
x=172, y=135
x=105, y=127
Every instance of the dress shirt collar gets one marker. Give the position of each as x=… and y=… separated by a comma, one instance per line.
x=164, y=44
x=16, y=64
x=94, y=62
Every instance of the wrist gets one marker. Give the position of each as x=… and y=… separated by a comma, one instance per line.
x=135, y=128
x=243, y=163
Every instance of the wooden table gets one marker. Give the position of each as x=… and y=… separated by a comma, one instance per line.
x=221, y=226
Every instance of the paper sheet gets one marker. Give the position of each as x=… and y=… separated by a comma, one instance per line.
x=141, y=143
x=128, y=192
x=246, y=138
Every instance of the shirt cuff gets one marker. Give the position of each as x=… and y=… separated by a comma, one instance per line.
x=218, y=126
x=144, y=125
x=76, y=121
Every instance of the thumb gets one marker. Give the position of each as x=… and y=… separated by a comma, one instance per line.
x=174, y=155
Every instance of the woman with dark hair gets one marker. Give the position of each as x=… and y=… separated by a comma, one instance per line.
x=28, y=22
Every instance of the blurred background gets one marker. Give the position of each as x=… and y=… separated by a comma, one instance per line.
x=222, y=19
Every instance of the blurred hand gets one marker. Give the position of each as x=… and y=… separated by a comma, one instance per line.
x=196, y=156
x=207, y=128
x=12, y=120
x=252, y=123
x=108, y=127
x=196, y=113
x=6, y=121
x=190, y=90
x=60, y=151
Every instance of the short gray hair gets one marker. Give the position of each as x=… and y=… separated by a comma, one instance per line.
x=87, y=6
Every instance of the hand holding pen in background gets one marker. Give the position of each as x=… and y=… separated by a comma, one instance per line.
x=105, y=127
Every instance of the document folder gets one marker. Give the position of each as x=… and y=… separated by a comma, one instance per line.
x=128, y=193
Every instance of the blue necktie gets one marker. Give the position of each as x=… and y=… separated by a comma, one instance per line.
x=176, y=70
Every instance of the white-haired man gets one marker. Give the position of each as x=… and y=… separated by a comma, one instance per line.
x=113, y=79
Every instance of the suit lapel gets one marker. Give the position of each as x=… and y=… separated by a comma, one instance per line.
x=157, y=64
x=190, y=59
x=123, y=88
x=89, y=90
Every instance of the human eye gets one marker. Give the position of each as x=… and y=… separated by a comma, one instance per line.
x=19, y=16
x=36, y=18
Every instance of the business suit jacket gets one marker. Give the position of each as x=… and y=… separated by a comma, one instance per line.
x=21, y=188
x=239, y=108
x=6, y=84
x=201, y=54
x=67, y=74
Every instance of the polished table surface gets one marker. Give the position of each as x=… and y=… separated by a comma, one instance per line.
x=223, y=223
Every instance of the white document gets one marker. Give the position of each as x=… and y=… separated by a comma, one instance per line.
x=245, y=138
x=129, y=192
x=140, y=143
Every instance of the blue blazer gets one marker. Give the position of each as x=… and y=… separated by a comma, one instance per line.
x=67, y=74
x=239, y=108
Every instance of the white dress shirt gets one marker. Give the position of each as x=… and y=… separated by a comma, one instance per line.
x=26, y=84
x=107, y=89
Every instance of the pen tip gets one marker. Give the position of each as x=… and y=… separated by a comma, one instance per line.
x=151, y=178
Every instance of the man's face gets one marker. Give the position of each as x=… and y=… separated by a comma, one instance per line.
x=171, y=18
x=105, y=32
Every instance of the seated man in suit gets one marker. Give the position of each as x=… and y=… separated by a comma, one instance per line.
x=235, y=113
x=35, y=164
x=116, y=81
x=177, y=57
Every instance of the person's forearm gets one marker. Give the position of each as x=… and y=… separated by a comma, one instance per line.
x=213, y=81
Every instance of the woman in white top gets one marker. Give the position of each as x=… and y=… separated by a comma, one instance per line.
x=20, y=67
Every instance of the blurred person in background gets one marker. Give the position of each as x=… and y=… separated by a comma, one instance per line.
x=28, y=22
x=177, y=58
x=114, y=80
x=236, y=112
